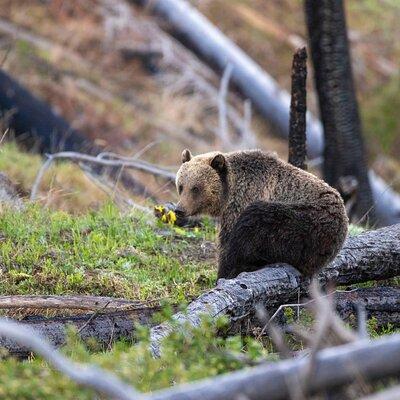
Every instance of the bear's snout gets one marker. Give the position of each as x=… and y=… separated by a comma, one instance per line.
x=179, y=211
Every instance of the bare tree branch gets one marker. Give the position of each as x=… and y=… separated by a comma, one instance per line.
x=335, y=367
x=117, y=161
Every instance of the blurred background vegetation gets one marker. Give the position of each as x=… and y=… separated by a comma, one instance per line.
x=72, y=54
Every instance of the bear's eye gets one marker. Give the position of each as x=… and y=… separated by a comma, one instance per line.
x=195, y=190
x=180, y=189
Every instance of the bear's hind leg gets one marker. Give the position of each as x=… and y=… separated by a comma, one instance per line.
x=268, y=233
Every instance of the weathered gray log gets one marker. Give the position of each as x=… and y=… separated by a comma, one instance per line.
x=381, y=303
x=335, y=367
x=93, y=303
x=373, y=255
x=208, y=41
x=298, y=109
x=105, y=328
x=264, y=92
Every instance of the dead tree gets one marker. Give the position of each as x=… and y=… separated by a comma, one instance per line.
x=257, y=85
x=298, y=110
x=44, y=130
x=344, y=154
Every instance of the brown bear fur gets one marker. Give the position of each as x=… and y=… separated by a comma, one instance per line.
x=270, y=211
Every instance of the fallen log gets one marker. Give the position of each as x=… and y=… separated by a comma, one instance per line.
x=104, y=328
x=334, y=367
x=31, y=118
x=210, y=43
x=264, y=92
x=380, y=303
x=372, y=255
x=113, y=317
x=92, y=303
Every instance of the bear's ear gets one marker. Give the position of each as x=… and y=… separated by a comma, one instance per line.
x=186, y=156
x=218, y=162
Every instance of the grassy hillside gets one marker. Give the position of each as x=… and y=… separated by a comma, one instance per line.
x=103, y=252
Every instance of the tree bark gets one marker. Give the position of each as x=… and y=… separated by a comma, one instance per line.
x=93, y=303
x=298, y=110
x=104, y=328
x=380, y=303
x=344, y=153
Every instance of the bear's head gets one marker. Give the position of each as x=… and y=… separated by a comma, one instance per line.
x=200, y=184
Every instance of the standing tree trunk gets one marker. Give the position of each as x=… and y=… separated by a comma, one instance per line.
x=344, y=155
x=298, y=111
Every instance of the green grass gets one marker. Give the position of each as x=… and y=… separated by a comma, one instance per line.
x=100, y=253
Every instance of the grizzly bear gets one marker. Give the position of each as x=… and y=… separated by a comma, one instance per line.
x=270, y=211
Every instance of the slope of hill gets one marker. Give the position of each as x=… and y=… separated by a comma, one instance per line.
x=90, y=61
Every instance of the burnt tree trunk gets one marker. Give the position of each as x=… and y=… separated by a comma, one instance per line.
x=344, y=154
x=298, y=110
x=104, y=328
x=34, y=121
